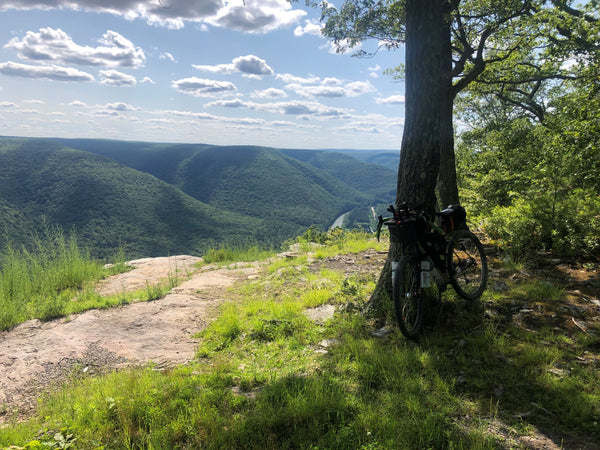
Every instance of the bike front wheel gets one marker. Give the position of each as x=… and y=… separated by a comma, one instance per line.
x=467, y=265
x=407, y=296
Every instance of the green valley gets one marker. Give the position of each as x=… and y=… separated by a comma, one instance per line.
x=157, y=199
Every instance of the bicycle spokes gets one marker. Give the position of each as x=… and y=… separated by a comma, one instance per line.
x=468, y=265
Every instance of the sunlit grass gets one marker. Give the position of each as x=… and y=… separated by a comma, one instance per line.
x=42, y=282
x=268, y=377
x=230, y=254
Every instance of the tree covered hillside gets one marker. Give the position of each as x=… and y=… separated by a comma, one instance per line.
x=108, y=205
x=265, y=183
x=307, y=186
x=372, y=179
x=206, y=196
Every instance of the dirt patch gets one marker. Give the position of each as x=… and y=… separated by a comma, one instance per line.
x=36, y=355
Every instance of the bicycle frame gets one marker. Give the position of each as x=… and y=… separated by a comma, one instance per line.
x=446, y=253
x=441, y=276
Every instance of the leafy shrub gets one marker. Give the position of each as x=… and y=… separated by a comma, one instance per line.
x=568, y=225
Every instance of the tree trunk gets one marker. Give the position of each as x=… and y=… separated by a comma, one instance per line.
x=446, y=185
x=426, y=110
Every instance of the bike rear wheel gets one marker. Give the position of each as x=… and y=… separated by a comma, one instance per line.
x=467, y=265
x=407, y=297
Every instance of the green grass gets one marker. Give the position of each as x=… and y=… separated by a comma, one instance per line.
x=267, y=377
x=229, y=253
x=47, y=281
x=58, y=278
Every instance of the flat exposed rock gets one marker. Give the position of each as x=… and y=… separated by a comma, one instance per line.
x=35, y=354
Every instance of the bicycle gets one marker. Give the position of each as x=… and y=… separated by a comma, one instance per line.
x=450, y=252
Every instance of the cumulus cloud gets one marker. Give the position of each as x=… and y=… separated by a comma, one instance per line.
x=219, y=68
x=77, y=103
x=316, y=91
x=147, y=80
x=116, y=78
x=120, y=106
x=311, y=27
x=52, y=72
x=201, y=87
x=252, y=65
x=269, y=93
x=289, y=78
x=374, y=71
x=8, y=105
x=249, y=65
x=297, y=108
x=54, y=45
x=341, y=47
x=332, y=87
x=391, y=100
x=255, y=16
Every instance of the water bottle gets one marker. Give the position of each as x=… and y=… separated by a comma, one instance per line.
x=425, y=273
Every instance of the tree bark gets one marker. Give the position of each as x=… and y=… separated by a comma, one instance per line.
x=427, y=90
x=447, y=189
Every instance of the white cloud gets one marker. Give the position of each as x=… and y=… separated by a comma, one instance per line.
x=109, y=113
x=311, y=27
x=316, y=91
x=77, y=103
x=202, y=87
x=120, y=106
x=234, y=103
x=299, y=108
x=391, y=100
x=116, y=78
x=252, y=65
x=54, y=45
x=249, y=65
x=8, y=105
x=219, y=68
x=147, y=80
x=56, y=73
x=269, y=93
x=374, y=71
x=341, y=47
x=282, y=123
x=358, y=88
x=256, y=16
x=167, y=56
x=332, y=87
x=289, y=78
x=191, y=115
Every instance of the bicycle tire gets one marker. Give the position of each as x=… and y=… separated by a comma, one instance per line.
x=467, y=265
x=406, y=293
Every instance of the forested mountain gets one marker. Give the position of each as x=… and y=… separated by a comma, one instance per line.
x=208, y=173
x=108, y=204
x=368, y=178
x=386, y=158
x=157, y=199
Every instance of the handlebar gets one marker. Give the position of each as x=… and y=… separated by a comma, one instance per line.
x=404, y=212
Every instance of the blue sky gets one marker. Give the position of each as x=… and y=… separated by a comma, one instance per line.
x=205, y=71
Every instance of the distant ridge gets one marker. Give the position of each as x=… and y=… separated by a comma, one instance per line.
x=158, y=199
